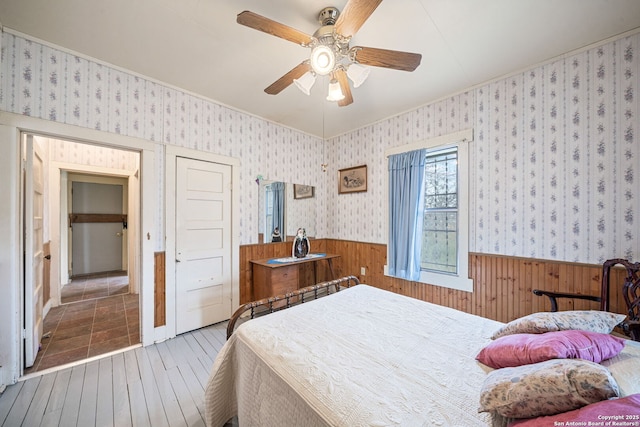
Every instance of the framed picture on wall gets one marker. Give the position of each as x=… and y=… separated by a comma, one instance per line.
x=352, y=180
x=302, y=191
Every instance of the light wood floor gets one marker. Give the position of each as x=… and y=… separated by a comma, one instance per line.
x=158, y=385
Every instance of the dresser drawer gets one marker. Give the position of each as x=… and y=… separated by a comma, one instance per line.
x=268, y=282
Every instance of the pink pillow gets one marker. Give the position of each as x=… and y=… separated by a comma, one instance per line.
x=620, y=411
x=524, y=349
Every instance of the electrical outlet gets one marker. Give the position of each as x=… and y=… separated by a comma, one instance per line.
x=363, y=271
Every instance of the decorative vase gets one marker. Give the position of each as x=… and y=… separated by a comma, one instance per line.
x=301, y=246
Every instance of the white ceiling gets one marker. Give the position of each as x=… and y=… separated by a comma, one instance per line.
x=197, y=45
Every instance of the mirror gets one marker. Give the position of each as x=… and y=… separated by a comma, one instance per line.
x=297, y=204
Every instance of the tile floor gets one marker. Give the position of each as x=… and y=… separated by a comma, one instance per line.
x=95, y=286
x=88, y=327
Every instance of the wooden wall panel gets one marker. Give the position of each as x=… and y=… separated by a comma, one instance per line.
x=257, y=251
x=502, y=284
x=160, y=311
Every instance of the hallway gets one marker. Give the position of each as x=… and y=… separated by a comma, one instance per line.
x=96, y=324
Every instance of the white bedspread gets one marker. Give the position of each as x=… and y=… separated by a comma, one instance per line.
x=360, y=357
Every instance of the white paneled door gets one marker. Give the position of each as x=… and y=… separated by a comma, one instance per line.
x=203, y=243
x=33, y=248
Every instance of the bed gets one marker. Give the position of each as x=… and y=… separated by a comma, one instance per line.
x=358, y=357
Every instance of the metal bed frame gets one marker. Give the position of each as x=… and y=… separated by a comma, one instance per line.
x=290, y=299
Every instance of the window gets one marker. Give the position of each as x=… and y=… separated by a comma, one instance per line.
x=442, y=226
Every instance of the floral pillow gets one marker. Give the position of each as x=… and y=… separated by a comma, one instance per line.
x=538, y=323
x=623, y=410
x=546, y=388
x=625, y=368
x=523, y=349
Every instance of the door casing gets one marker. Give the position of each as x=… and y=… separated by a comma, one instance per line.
x=11, y=277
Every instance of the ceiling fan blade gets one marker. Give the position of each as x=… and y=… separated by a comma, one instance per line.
x=404, y=61
x=341, y=76
x=284, y=81
x=258, y=22
x=354, y=14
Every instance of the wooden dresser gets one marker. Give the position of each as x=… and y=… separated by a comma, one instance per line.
x=276, y=276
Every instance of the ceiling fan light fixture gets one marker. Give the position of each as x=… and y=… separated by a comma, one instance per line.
x=335, y=93
x=330, y=53
x=305, y=82
x=322, y=60
x=358, y=73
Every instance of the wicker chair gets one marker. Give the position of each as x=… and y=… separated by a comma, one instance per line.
x=630, y=292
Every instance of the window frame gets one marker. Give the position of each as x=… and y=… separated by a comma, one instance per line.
x=461, y=140
x=434, y=154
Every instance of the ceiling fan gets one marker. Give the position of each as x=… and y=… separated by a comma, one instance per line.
x=330, y=51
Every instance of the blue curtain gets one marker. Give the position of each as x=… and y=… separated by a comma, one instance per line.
x=406, y=209
x=277, y=190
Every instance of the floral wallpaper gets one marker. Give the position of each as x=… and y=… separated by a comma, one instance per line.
x=41, y=81
x=554, y=156
x=92, y=155
x=554, y=159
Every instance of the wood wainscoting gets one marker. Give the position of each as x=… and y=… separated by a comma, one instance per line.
x=502, y=284
x=160, y=286
x=502, y=287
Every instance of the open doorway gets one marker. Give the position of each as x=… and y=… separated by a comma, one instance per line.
x=91, y=225
x=97, y=237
